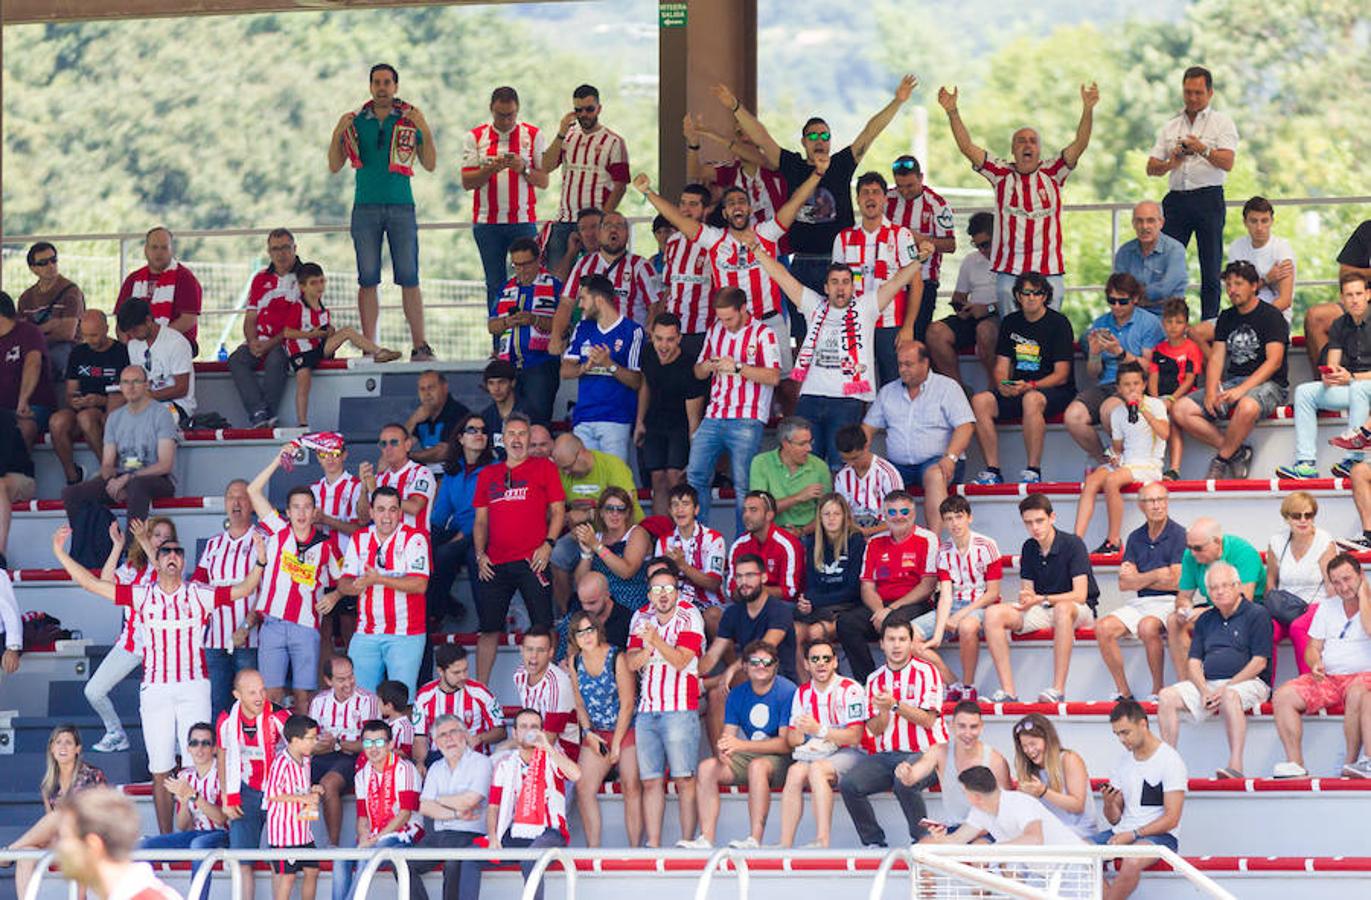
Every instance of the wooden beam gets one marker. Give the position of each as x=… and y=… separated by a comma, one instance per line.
x=20, y=12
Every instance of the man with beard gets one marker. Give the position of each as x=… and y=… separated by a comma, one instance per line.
x=596, y=162
x=604, y=355
x=630, y=274
x=687, y=276
x=455, y=693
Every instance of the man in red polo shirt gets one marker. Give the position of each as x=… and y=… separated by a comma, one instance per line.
x=899, y=575
x=781, y=550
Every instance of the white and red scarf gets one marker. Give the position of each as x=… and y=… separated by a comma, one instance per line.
x=530, y=807
x=857, y=382
x=404, y=139
x=267, y=734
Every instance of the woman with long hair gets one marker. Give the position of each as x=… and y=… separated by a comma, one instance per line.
x=67, y=773
x=616, y=548
x=833, y=585
x=453, y=516
x=1056, y=776
x=605, y=691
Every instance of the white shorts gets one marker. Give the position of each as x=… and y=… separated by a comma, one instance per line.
x=781, y=327
x=1144, y=471
x=1253, y=692
x=167, y=712
x=1144, y=608
x=924, y=624
x=1039, y=618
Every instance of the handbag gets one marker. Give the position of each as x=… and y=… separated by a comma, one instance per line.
x=1284, y=606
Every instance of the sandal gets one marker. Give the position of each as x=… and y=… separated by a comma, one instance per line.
x=1227, y=773
x=385, y=355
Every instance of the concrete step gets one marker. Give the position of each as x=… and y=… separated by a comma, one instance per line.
x=31, y=732
x=24, y=771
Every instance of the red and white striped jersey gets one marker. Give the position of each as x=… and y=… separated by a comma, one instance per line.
x=736, y=266
x=207, y=786
x=631, y=274
x=705, y=550
x=338, y=500
x=875, y=257
x=733, y=396
x=505, y=781
x=130, y=638
x=1028, y=217
x=402, y=735
x=173, y=627
x=295, y=580
x=303, y=317
x=411, y=480
x=592, y=163
x=344, y=718
x=507, y=197
x=382, y=795
x=766, y=189
x=286, y=822
x=661, y=686
x=251, y=751
x=267, y=286
x=917, y=684
x=968, y=572
x=227, y=560
x=866, y=493
x=687, y=283
x=474, y=704
x=842, y=704
x=383, y=610
x=927, y=214
x=551, y=695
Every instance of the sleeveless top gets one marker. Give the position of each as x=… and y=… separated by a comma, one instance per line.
x=1083, y=822
x=955, y=807
x=600, y=693
x=1302, y=577
x=630, y=593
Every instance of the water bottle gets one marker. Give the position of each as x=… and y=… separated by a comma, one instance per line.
x=223, y=353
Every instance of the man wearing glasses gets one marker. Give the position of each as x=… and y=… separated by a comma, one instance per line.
x=912, y=204
x=1205, y=545
x=454, y=798
x=752, y=750
x=1154, y=257
x=200, y=820
x=596, y=162
x=1124, y=334
x=794, y=474
x=974, y=323
x=388, y=789
x=54, y=303
x=264, y=334
x=411, y=480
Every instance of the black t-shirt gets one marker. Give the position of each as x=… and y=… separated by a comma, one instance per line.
x=96, y=370
x=1357, y=250
x=1353, y=340
x=432, y=432
x=1034, y=348
x=14, y=453
x=1246, y=337
x=670, y=386
x=829, y=210
x=495, y=430
x=1053, y=573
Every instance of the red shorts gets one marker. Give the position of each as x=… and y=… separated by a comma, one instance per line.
x=1328, y=691
x=608, y=738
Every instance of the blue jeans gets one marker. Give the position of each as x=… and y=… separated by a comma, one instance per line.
x=223, y=666
x=396, y=655
x=245, y=833
x=667, y=741
x=1200, y=212
x=741, y=438
x=551, y=837
x=397, y=223
x=1313, y=396
x=461, y=879
x=825, y=416
x=555, y=248
x=1162, y=840
x=188, y=840
x=613, y=438
x=492, y=242
x=345, y=870
x=535, y=390
x=913, y=473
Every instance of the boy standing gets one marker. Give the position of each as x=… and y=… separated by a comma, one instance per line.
x=293, y=808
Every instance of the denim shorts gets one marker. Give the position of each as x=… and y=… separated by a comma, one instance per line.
x=286, y=645
x=668, y=741
x=397, y=223
x=1162, y=840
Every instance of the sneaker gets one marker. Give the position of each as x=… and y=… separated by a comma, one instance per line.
x=747, y=843
x=1108, y=548
x=1051, y=695
x=1303, y=468
x=1030, y=476
x=1152, y=698
x=954, y=692
x=1356, y=544
x=969, y=693
x=699, y=843
x=422, y=353
x=814, y=845
x=1116, y=696
x=1241, y=462
x=80, y=476
x=112, y=742
x=1001, y=696
x=1171, y=475
x=262, y=419
x=1356, y=439
x=1343, y=467
x=1289, y=769
x=1359, y=769
x=988, y=477
x=1218, y=470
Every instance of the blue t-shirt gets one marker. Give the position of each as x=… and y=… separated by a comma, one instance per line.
x=602, y=397
x=1148, y=554
x=742, y=629
x=759, y=717
x=1226, y=645
x=1140, y=333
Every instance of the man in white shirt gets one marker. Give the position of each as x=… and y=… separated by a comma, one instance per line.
x=975, y=322
x=165, y=354
x=1195, y=150
x=454, y=798
x=1010, y=817
x=1273, y=256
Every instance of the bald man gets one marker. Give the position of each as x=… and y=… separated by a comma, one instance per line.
x=1155, y=258
x=1206, y=544
x=172, y=291
x=585, y=475
x=92, y=375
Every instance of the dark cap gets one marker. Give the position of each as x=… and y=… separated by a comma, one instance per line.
x=499, y=368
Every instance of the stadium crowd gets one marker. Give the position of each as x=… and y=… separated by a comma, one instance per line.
x=292, y=665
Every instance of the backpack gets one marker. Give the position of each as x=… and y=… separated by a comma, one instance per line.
x=43, y=631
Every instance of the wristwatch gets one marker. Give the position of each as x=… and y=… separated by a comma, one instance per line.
x=550, y=542
x=613, y=369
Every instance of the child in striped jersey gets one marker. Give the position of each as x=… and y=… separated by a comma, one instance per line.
x=969, y=574
x=393, y=699
x=293, y=808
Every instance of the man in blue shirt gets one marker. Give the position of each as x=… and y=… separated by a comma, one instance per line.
x=1124, y=334
x=522, y=326
x=1155, y=258
x=604, y=354
x=752, y=750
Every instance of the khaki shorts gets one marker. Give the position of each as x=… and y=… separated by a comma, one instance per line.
x=738, y=762
x=1144, y=608
x=1253, y=692
x=1039, y=618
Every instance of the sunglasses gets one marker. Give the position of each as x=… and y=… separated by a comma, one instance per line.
x=470, y=430
x=821, y=658
x=1118, y=301
x=585, y=109
x=1196, y=548
x=662, y=589
x=1026, y=728
x=164, y=551
x=817, y=135
x=389, y=442
x=614, y=508
x=1032, y=292
x=903, y=165
x=46, y=261
x=589, y=629
x=199, y=742
x=1301, y=517
x=373, y=743
x=898, y=511
x=981, y=245
x=761, y=662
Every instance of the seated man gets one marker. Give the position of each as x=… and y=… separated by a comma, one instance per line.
x=948, y=761
x=25, y=372
x=454, y=798
x=1154, y=258
x=1151, y=569
x=864, y=479
x=969, y=574
x=794, y=475
x=1206, y=544
x=975, y=323
x=1229, y=667
x=585, y=475
x=753, y=749
x=340, y=710
x=170, y=290
x=1144, y=797
x=434, y=419
x=1339, y=657
x=780, y=550
x=1034, y=378
x=139, y=453
x=1007, y=816
x=1246, y=375
x=92, y=377
x=264, y=324
x=200, y=820
x=17, y=483
x=54, y=303
x=1057, y=590
x=700, y=552
x=166, y=356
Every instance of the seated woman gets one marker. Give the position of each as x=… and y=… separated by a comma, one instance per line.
x=67, y=774
x=200, y=821
x=615, y=548
x=1056, y=776
x=833, y=584
x=605, y=691
x=1296, y=561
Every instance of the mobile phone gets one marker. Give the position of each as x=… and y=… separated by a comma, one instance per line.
x=1325, y=370
x=1009, y=381
x=930, y=823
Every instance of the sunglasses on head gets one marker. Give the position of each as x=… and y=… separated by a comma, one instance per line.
x=817, y=135
x=903, y=165
x=1026, y=728
x=1118, y=301
x=373, y=743
x=45, y=261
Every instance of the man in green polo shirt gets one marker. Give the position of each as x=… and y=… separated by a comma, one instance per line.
x=382, y=140
x=1206, y=544
x=585, y=475
x=793, y=475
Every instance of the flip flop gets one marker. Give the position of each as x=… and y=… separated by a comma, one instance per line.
x=1230, y=773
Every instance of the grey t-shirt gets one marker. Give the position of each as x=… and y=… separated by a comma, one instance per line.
x=135, y=435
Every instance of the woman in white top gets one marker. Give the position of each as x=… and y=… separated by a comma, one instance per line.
x=1056, y=776
x=1296, y=560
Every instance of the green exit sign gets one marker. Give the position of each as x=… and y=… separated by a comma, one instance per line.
x=671, y=15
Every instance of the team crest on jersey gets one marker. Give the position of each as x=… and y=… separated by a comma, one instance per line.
x=13, y=354
x=416, y=717
x=618, y=344
x=945, y=218
x=856, y=710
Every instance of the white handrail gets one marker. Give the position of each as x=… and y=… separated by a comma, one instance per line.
x=921, y=857
x=723, y=855
x=206, y=872
x=363, y=884
x=39, y=870
x=535, y=875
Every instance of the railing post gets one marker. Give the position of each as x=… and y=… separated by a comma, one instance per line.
x=206, y=872
x=39, y=870
x=535, y=875
x=723, y=854
x=1113, y=234
x=883, y=872
x=384, y=854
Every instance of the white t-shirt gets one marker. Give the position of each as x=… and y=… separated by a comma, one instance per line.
x=826, y=376
x=1017, y=812
x=1346, y=646
x=1141, y=445
x=975, y=279
x=1276, y=250
x=170, y=356
x=1145, y=783
x=1303, y=576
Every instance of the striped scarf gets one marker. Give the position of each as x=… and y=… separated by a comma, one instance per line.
x=404, y=139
